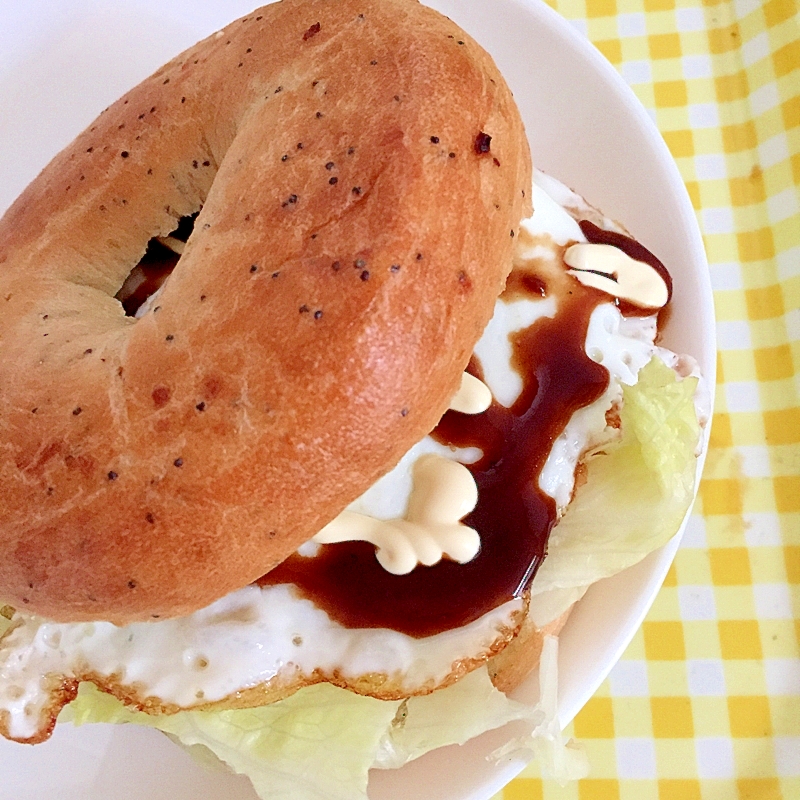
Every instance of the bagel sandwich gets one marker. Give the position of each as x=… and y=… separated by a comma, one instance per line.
x=173, y=662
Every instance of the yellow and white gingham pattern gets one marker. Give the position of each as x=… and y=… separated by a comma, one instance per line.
x=705, y=704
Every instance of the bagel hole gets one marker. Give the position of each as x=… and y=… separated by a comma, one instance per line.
x=156, y=265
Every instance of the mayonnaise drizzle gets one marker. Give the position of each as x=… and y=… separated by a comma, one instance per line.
x=444, y=492
x=607, y=268
x=472, y=397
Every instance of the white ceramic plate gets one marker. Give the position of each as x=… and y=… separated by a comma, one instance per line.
x=62, y=61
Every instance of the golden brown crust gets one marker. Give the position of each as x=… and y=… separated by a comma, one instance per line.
x=61, y=690
x=314, y=329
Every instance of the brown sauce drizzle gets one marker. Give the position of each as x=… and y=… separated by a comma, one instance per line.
x=513, y=516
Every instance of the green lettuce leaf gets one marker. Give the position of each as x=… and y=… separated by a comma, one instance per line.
x=320, y=743
x=560, y=759
x=450, y=716
x=317, y=744
x=637, y=493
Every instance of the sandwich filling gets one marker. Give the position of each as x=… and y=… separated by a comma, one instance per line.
x=460, y=526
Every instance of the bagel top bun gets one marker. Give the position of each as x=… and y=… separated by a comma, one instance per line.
x=359, y=168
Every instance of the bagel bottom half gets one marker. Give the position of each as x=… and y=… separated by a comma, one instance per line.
x=509, y=668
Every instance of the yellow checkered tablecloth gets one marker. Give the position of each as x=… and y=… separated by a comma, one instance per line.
x=705, y=703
